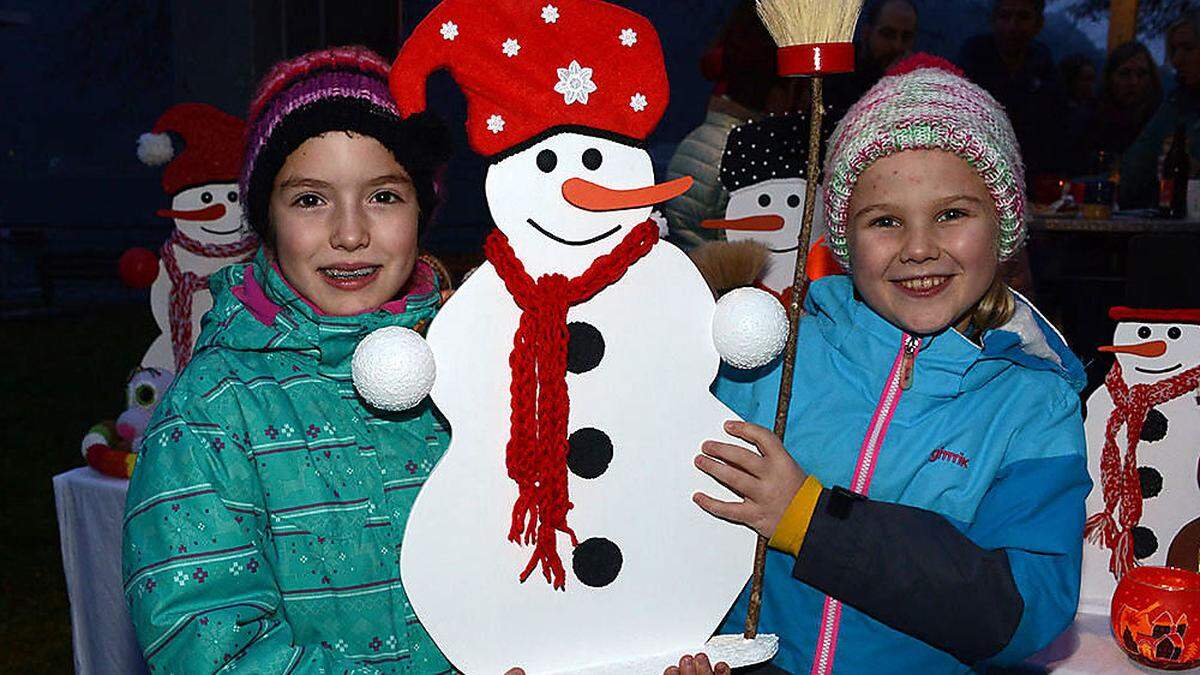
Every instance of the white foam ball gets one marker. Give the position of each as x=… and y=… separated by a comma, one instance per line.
x=155, y=149
x=393, y=368
x=750, y=327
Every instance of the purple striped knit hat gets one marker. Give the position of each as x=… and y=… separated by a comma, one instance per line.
x=337, y=89
x=925, y=103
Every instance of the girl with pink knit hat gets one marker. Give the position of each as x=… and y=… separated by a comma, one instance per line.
x=925, y=509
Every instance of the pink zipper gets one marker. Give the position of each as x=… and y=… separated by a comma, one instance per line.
x=898, y=380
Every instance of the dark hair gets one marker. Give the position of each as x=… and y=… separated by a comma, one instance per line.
x=420, y=144
x=874, y=8
x=1189, y=19
x=1071, y=66
x=1124, y=53
x=1039, y=6
x=747, y=57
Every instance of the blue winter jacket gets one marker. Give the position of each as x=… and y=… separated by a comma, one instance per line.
x=966, y=550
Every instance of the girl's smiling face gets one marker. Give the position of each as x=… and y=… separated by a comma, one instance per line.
x=923, y=235
x=343, y=217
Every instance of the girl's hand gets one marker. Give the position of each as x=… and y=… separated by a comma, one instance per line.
x=767, y=483
x=697, y=665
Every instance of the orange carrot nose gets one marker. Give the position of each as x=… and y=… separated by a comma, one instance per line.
x=592, y=197
x=1151, y=348
x=764, y=223
x=205, y=214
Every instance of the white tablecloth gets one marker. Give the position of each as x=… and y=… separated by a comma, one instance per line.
x=90, y=508
x=1087, y=648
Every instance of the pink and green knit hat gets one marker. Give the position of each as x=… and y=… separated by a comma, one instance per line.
x=925, y=103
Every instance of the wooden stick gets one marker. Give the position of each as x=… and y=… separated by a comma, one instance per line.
x=799, y=290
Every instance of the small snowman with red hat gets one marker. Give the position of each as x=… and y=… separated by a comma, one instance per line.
x=209, y=234
x=763, y=169
x=573, y=366
x=1143, y=425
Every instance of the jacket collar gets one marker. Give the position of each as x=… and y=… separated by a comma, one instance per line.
x=948, y=363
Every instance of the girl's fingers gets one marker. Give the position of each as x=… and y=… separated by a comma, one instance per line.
x=764, y=439
x=747, y=460
x=673, y=670
x=731, y=511
x=730, y=476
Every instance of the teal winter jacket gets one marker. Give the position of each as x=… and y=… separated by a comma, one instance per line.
x=965, y=550
x=265, y=517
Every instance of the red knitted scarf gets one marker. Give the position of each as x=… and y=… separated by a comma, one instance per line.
x=185, y=284
x=1119, y=479
x=536, y=455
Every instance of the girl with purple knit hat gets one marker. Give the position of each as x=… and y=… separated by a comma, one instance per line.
x=925, y=509
x=264, y=521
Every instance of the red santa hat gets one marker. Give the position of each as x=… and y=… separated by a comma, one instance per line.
x=527, y=68
x=212, y=150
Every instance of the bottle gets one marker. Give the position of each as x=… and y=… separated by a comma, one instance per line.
x=1173, y=180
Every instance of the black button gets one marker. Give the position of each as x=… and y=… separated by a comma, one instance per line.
x=585, y=347
x=1155, y=428
x=590, y=453
x=597, y=562
x=1144, y=542
x=1151, y=481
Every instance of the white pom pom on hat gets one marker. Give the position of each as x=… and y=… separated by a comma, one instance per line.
x=155, y=149
x=393, y=368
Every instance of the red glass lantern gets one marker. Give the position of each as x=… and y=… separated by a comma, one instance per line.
x=1152, y=610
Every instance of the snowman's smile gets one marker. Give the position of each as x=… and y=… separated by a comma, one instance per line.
x=221, y=232
x=784, y=250
x=1158, y=371
x=569, y=242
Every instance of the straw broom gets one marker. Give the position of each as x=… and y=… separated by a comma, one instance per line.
x=815, y=38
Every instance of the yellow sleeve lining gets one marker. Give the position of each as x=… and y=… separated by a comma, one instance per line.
x=789, y=534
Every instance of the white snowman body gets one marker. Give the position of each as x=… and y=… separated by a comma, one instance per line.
x=640, y=407
x=1168, y=459
x=225, y=229
x=778, y=204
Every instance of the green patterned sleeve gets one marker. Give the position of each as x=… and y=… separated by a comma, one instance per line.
x=200, y=591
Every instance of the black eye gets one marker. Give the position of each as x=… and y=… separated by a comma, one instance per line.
x=592, y=159
x=793, y=201
x=1144, y=332
x=232, y=196
x=764, y=200
x=547, y=160
x=1173, y=332
x=206, y=197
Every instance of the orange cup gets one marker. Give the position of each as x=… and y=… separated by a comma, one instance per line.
x=1151, y=612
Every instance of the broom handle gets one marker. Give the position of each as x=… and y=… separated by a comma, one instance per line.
x=799, y=289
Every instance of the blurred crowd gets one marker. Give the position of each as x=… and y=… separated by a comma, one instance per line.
x=1072, y=118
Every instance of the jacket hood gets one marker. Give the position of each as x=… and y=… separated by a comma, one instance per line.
x=948, y=363
x=255, y=309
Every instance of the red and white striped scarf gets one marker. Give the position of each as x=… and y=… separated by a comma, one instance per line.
x=185, y=284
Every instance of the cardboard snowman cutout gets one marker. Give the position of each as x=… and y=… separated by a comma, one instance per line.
x=209, y=233
x=1143, y=426
x=763, y=169
x=558, y=532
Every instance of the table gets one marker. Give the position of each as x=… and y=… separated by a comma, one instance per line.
x=1087, y=648
x=90, y=509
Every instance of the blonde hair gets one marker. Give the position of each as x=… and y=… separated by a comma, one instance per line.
x=993, y=310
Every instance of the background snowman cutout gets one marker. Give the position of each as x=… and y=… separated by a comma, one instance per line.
x=209, y=234
x=1143, y=425
x=763, y=169
x=574, y=366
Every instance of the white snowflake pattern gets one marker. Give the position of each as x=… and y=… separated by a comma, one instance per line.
x=628, y=37
x=495, y=124
x=638, y=102
x=575, y=83
x=340, y=645
x=550, y=14
x=449, y=30
x=510, y=47
x=181, y=577
x=236, y=568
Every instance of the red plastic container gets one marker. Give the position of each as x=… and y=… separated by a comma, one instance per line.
x=1151, y=612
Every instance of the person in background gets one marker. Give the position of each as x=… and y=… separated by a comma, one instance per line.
x=1130, y=93
x=888, y=30
x=750, y=88
x=1139, y=164
x=1017, y=69
x=1077, y=74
